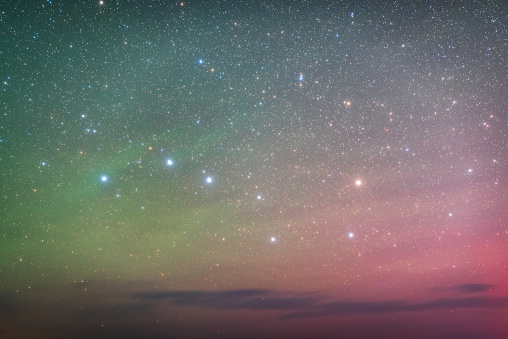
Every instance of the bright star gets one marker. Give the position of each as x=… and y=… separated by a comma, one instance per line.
x=351, y=234
x=273, y=239
x=259, y=197
x=358, y=182
x=201, y=61
x=209, y=180
x=170, y=162
x=104, y=178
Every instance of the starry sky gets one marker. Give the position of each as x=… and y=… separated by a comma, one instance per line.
x=254, y=169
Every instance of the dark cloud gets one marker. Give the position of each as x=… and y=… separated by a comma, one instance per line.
x=383, y=307
x=473, y=288
x=236, y=299
x=447, y=303
x=308, y=305
x=193, y=295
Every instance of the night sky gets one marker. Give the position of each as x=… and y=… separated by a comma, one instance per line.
x=232, y=169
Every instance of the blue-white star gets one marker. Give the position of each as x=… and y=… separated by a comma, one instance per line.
x=169, y=162
x=209, y=180
x=104, y=178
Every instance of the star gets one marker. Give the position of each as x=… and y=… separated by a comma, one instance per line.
x=104, y=178
x=209, y=180
x=358, y=182
x=351, y=235
x=273, y=239
x=169, y=162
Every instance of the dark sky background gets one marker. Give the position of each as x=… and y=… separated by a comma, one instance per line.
x=246, y=169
